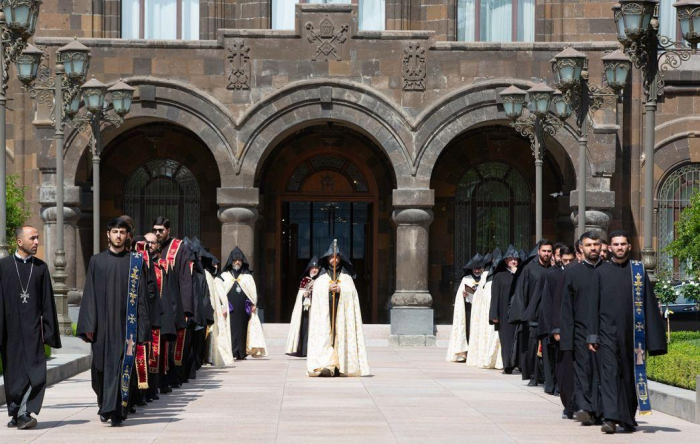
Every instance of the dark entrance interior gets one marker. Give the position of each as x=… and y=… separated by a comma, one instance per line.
x=309, y=228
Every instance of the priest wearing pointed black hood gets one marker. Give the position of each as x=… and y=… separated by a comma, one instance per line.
x=625, y=326
x=28, y=321
x=114, y=318
x=236, y=283
x=576, y=297
x=501, y=294
x=459, y=336
x=297, y=339
x=336, y=344
x=526, y=288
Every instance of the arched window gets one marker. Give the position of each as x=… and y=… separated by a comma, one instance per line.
x=163, y=187
x=674, y=197
x=492, y=209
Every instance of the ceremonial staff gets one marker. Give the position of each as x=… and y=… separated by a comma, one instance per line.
x=335, y=265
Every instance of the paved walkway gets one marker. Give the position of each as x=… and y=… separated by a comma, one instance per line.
x=413, y=396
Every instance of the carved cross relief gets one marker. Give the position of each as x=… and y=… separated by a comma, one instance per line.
x=414, y=67
x=239, y=66
x=329, y=43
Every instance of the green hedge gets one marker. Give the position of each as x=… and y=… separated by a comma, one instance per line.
x=47, y=352
x=682, y=363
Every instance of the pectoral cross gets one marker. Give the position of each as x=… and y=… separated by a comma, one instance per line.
x=24, y=296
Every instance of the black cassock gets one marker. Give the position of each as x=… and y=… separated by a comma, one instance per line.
x=239, y=318
x=526, y=287
x=103, y=313
x=550, y=347
x=577, y=292
x=501, y=294
x=611, y=325
x=24, y=329
x=204, y=317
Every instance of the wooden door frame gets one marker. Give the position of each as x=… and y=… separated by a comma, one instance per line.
x=372, y=196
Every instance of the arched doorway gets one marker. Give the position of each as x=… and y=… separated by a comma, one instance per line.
x=484, y=198
x=153, y=169
x=327, y=186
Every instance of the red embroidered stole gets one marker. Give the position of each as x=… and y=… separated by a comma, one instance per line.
x=141, y=371
x=180, y=346
x=154, y=352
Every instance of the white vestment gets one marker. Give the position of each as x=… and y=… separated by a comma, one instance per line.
x=348, y=353
x=295, y=324
x=220, y=335
x=255, y=343
x=458, y=347
x=485, y=346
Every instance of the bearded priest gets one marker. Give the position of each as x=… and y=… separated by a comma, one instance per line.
x=336, y=340
x=236, y=284
x=298, y=337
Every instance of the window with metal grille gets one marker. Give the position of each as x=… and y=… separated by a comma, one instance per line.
x=163, y=187
x=492, y=209
x=674, y=197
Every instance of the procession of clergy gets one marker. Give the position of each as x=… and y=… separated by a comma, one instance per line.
x=579, y=319
x=155, y=309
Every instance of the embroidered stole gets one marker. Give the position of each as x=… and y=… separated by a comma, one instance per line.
x=640, y=343
x=135, y=265
x=155, y=348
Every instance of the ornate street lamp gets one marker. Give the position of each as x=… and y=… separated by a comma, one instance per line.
x=562, y=109
x=654, y=54
x=17, y=24
x=617, y=67
x=620, y=26
x=570, y=68
x=97, y=113
x=688, y=13
x=636, y=16
x=61, y=92
x=531, y=117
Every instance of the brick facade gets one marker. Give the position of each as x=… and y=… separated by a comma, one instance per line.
x=424, y=127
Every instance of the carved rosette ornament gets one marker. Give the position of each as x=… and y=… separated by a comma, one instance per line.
x=328, y=41
x=414, y=69
x=239, y=66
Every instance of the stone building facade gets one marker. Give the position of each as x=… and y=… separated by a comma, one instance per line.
x=393, y=141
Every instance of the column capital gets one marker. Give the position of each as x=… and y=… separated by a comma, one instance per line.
x=413, y=198
x=71, y=195
x=594, y=199
x=597, y=219
x=238, y=197
x=412, y=216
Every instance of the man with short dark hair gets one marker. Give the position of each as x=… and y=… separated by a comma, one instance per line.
x=625, y=324
x=28, y=321
x=114, y=318
x=575, y=306
x=526, y=289
x=604, y=250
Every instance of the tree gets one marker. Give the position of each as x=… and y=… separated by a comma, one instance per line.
x=17, y=210
x=686, y=244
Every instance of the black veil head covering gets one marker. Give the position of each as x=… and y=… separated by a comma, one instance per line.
x=345, y=264
x=236, y=253
x=477, y=261
x=496, y=257
x=523, y=256
x=314, y=262
x=502, y=264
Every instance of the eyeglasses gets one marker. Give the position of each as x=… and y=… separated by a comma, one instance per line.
x=159, y=230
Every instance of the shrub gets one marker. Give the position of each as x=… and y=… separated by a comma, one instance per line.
x=682, y=363
x=17, y=211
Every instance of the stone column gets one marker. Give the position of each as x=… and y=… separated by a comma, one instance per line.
x=71, y=214
x=238, y=212
x=412, y=319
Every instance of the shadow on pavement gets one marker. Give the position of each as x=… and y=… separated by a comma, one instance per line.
x=56, y=424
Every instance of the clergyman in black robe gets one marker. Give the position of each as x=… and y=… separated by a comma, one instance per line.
x=203, y=310
x=526, y=288
x=179, y=287
x=611, y=334
x=102, y=320
x=501, y=295
x=28, y=321
x=573, y=327
x=237, y=265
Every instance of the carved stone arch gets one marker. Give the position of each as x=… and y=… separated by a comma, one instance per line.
x=173, y=102
x=678, y=144
x=468, y=108
x=311, y=102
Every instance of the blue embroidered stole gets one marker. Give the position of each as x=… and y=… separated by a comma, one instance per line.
x=640, y=343
x=135, y=266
